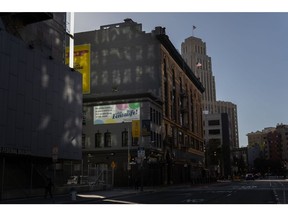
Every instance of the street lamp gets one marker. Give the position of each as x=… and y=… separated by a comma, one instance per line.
x=128, y=153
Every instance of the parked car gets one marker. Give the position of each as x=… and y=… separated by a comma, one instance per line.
x=72, y=180
x=249, y=176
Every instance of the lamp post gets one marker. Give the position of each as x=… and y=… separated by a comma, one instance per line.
x=128, y=148
x=2, y=178
x=140, y=157
x=128, y=154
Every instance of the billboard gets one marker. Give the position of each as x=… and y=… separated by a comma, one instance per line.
x=81, y=64
x=116, y=113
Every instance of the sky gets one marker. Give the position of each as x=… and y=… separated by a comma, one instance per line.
x=249, y=53
x=246, y=40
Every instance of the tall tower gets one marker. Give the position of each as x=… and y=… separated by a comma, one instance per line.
x=194, y=52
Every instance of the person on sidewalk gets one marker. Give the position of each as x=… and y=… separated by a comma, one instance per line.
x=48, y=188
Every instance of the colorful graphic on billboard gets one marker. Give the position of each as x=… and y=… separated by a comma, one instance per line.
x=118, y=113
x=81, y=64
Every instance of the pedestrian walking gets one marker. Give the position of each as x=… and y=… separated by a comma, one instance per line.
x=48, y=188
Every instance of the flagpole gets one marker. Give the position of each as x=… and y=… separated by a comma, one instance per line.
x=193, y=28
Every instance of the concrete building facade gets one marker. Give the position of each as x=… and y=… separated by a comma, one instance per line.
x=217, y=148
x=231, y=110
x=133, y=72
x=41, y=104
x=269, y=144
x=258, y=145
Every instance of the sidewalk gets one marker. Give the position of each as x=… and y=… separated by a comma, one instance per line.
x=84, y=197
x=80, y=197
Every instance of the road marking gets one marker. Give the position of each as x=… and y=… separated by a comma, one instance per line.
x=218, y=191
x=248, y=187
x=119, y=201
x=276, y=196
x=194, y=200
x=90, y=196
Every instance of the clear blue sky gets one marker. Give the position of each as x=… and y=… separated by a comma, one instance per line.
x=249, y=54
x=249, y=51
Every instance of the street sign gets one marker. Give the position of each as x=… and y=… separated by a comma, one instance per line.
x=141, y=153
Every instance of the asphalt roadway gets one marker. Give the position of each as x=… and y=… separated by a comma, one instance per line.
x=266, y=191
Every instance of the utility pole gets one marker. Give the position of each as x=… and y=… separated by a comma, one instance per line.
x=2, y=178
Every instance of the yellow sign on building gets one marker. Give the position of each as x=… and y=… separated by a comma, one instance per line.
x=81, y=64
x=135, y=128
x=113, y=165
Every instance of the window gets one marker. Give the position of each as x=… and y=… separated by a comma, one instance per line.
x=165, y=68
x=173, y=78
x=107, y=139
x=213, y=122
x=84, y=117
x=157, y=118
x=201, y=146
x=214, y=132
x=83, y=140
x=181, y=138
x=197, y=144
x=125, y=138
x=193, y=143
x=98, y=137
x=157, y=139
x=186, y=140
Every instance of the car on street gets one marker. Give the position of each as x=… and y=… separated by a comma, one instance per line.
x=249, y=176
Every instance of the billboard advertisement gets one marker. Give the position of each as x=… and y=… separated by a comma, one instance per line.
x=81, y=64
x=116, y=113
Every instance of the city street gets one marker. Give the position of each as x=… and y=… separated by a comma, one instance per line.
x=244, y=192
x=268, y=191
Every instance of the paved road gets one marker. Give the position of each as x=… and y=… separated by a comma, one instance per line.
x=245, y=192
